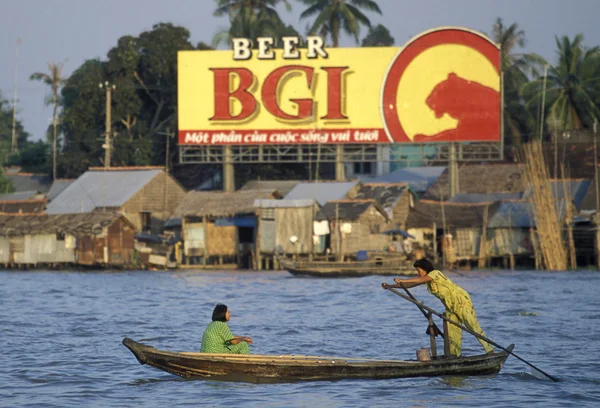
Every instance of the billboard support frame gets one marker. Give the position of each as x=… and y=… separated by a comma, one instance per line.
x=328, y=153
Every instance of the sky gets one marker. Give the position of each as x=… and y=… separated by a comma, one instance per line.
x=72, y=31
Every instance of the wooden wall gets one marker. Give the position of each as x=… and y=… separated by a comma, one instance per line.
x=401, y=210
x=365, y=235
x=114, y=246
x=160, y=197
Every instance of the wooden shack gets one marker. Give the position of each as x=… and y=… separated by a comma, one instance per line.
x=451, y=231
x=278, y=222
x=99, y=239
x=219, y=228
x=146, y=196
x=355, y=225
x=395, y=198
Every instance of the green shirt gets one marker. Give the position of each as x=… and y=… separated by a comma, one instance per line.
x=216, y=339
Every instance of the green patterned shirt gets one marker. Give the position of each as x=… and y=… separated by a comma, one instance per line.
x=216, y=339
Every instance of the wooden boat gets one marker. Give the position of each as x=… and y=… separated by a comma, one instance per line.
x=376, y=264
x=285, y=368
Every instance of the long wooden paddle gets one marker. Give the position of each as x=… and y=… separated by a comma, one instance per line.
x=436, y=329
x=479, y=336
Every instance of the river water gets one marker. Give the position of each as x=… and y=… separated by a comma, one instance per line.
x=61, y=337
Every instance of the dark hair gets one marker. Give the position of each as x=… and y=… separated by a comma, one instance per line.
x=424, y=264
x=219, y=313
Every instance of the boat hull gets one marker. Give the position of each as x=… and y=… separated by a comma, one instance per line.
x=389, y=267
x=302, y=368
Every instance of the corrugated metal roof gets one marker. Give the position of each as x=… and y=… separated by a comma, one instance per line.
x=418, y=178
x=97, y=189
x=512, y=214
x=575, y=189
x=284, y=203
x=283, y=186
x=58, y=187
x=28, y=182
x=321, y=192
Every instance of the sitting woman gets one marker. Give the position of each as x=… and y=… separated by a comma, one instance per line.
x=217, y=337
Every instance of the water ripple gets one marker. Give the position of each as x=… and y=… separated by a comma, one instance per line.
x=60, y=334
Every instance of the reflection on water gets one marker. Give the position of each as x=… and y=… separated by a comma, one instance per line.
x=61, y=337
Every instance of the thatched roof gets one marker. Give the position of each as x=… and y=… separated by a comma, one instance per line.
x=348, y=210
x=480, y=179
x=73, y=224
x=220, y=203
x=386, y=195
x=23, y=206
x=454, y=215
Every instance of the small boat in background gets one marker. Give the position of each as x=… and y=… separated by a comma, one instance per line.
x=371, y=263
x=285, y=368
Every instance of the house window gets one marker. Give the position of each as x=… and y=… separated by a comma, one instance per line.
x=363, y=168
x=146, y=221
x=375, y=228
x=267, y=214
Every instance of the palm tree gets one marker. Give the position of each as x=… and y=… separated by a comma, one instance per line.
x=517, y=68
x=333, y=16
x=54, y=80
x=249, y=19
x=572, y=86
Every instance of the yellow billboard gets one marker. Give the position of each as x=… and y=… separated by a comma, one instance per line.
x=442, y=86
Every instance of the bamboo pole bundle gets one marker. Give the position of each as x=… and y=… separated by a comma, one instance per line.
x=547, y=220
x=569, y=221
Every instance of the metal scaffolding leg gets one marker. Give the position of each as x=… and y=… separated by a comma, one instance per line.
x=228, y=171
x=340, y=171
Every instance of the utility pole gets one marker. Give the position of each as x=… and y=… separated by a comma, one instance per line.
x=596, y=165
x=168, y=135
x=107, y=141
x=15, y=146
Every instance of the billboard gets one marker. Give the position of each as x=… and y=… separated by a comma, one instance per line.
x=442, y=86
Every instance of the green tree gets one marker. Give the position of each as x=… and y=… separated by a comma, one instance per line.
x=82, y=120
x=250, y=19
x=378, y=36
x=517, y=69
x=55, y=80
x=571, y=88
x=32, y=157
x=335, y=16
x=6, y=125
x=144, y=104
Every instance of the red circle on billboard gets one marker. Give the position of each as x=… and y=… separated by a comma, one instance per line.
x=444, y=36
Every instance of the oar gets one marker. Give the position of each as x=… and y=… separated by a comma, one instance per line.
x=479, y=336
x=436, y=329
